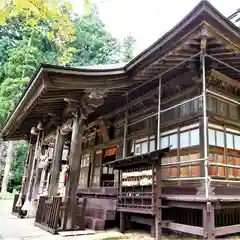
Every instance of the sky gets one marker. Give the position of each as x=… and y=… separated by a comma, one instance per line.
x=148, y=20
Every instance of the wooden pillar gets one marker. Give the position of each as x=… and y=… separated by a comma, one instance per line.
x=74, y=170
x=158, y=193
x=124, y=154
x=26, y=175
x=37, y=182
x=29, y=168
x=38, y=171
x=209, y=221
x=57, y=157
x=27, y=205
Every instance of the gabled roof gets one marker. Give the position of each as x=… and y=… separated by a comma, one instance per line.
x=50, y=84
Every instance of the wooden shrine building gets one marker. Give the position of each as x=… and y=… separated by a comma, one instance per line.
x=155, y=141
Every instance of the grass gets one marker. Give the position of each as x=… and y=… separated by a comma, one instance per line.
x=116, y=238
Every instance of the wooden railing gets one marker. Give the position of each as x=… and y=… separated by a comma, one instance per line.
x=48, y=213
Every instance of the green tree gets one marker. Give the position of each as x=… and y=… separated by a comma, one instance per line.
x=17, y=168
x=93, y=44
x=128, y=48
x=25, y=44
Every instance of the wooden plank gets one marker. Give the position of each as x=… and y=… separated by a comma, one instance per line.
x=183, y=228
x=76, y=233
x=135, y=210
x=219, y=231
x=185, y=205
x=224, y=78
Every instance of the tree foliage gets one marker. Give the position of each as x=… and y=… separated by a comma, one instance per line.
x=18, y=166
x=128, y=48
x=93, y=43
x=55, y=12
x=45, y=31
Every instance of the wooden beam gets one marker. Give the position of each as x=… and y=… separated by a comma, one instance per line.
x=220, y=76
x=221, y=38
x=185, y=205
x=38, y=170
x=183, y=228
x=219, y=231
x=73, y=84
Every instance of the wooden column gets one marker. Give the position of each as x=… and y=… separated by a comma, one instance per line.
x=29, y=168
x=38, y=171
x=158, y=192
x=74, y=170
x=123, y=215
x=208, y=221
x=26, y=175
x=57, y=157
x=31, y=172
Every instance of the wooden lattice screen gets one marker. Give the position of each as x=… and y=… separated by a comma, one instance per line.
x=48, y=213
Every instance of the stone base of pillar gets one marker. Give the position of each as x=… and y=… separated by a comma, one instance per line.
x=31, y=208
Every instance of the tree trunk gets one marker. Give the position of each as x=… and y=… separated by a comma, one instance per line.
x=7, y=169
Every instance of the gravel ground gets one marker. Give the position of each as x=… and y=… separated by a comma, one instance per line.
x=12, y=227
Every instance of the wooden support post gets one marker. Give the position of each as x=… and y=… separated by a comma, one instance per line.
x=124, y=221
x=74, y=170
x=158, y=191
x=57, y=157
x=38, y=171
x=29, y=168
x=27, y=206
x=37, y=182
x=82, y=213
x=153, y=228
x=208, y=221
x=124, y=154
x=25, y=175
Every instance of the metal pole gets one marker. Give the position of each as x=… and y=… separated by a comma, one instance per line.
x=223, y=165
x=164, y=110
x=125, y=131
x=183, y=178
x=143, y=119
x=225, y=181
x=205, y=126
x=219, y=61
x=181, y=103
x=223, y=97
x=167, y=71
x=184, y=162
x=159, y=115
x=26, y=205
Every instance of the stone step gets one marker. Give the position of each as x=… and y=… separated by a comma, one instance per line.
x=94, y=223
